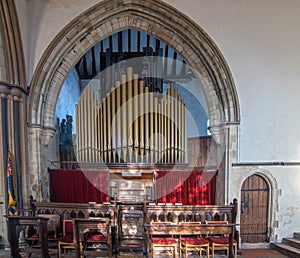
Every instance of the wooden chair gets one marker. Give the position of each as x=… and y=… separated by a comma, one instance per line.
x=66, y=241
x=53, y=226
x=193, y=242
x=220, y=242
x=163, y=243
x=93, y=237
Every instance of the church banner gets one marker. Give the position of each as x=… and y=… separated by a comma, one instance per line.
x=11, y=187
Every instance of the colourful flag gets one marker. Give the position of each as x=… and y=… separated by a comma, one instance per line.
x=11, y=187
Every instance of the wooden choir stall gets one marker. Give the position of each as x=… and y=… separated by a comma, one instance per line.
x=110, y=228
x=131, y=171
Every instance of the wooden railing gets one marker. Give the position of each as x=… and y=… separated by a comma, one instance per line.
x=74, y=210
x=16, y=224
x=201, y=213
x=113, y=212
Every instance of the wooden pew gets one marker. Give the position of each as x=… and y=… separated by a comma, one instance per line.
x=73, y=210
x=92, y=226
x=200, y=213
x=179, y=230
x=68, y=211
x=173, y=213
x=16, y=224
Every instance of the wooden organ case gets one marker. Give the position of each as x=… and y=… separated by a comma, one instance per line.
x=131, y=190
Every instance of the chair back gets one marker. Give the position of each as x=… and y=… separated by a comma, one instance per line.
x=68, y=227
x=160, y=223
x=189, y=223
x=216, y=222
x=186, y=223
x=53, y=224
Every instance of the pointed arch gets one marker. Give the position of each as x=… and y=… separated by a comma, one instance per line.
x=11, y=46
x=153, y=17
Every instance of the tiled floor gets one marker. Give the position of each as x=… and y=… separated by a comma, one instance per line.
x=261, y=253
x=246, y=253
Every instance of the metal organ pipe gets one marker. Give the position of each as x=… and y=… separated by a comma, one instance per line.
x=118, y=120
x=141, y=121
x=147, y=128
x=131, y=125
x=135, y=119
x=130, y=114
x=124, y=120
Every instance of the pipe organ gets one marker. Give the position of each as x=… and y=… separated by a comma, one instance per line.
x=131, y=124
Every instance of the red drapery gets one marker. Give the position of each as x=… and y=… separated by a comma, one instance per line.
x=76, y=186
x=186, y=187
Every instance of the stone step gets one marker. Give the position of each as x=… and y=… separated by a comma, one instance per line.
x=297, y=235
x=292, y=242
x=290, y=251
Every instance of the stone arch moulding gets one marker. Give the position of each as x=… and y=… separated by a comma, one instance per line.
x=153, y=17
x=267, y=176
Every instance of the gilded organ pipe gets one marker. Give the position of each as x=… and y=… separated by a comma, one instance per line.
x=130, y=114
x=124, y=120
x=117, y=124
x=135, y=119
x=141, y=122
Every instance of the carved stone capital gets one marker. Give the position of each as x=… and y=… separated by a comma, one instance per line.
x=13, y=91
x=44, y=133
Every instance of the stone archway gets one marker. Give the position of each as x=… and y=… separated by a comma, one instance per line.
x=153, y=17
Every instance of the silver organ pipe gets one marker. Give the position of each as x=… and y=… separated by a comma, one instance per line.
x=131, y=124
x=87, y=122
x=151, y=125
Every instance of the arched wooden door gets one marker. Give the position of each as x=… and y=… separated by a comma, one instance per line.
x=254, y=210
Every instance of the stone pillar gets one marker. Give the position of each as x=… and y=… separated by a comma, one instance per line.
x=225, y=137
x=42, y=149
x=13, y=139
x=232, y=156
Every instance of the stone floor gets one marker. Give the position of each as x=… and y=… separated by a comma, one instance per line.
x=245, y=253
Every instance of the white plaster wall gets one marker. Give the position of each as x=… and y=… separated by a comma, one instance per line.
x=260, y=40
x=284, y=192
x=288, y=202
x=41, y=21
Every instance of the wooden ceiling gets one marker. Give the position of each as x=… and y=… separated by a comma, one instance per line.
x=159, y=61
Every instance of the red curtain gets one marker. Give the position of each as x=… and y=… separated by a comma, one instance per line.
x=76, y=186
x=186, y=187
